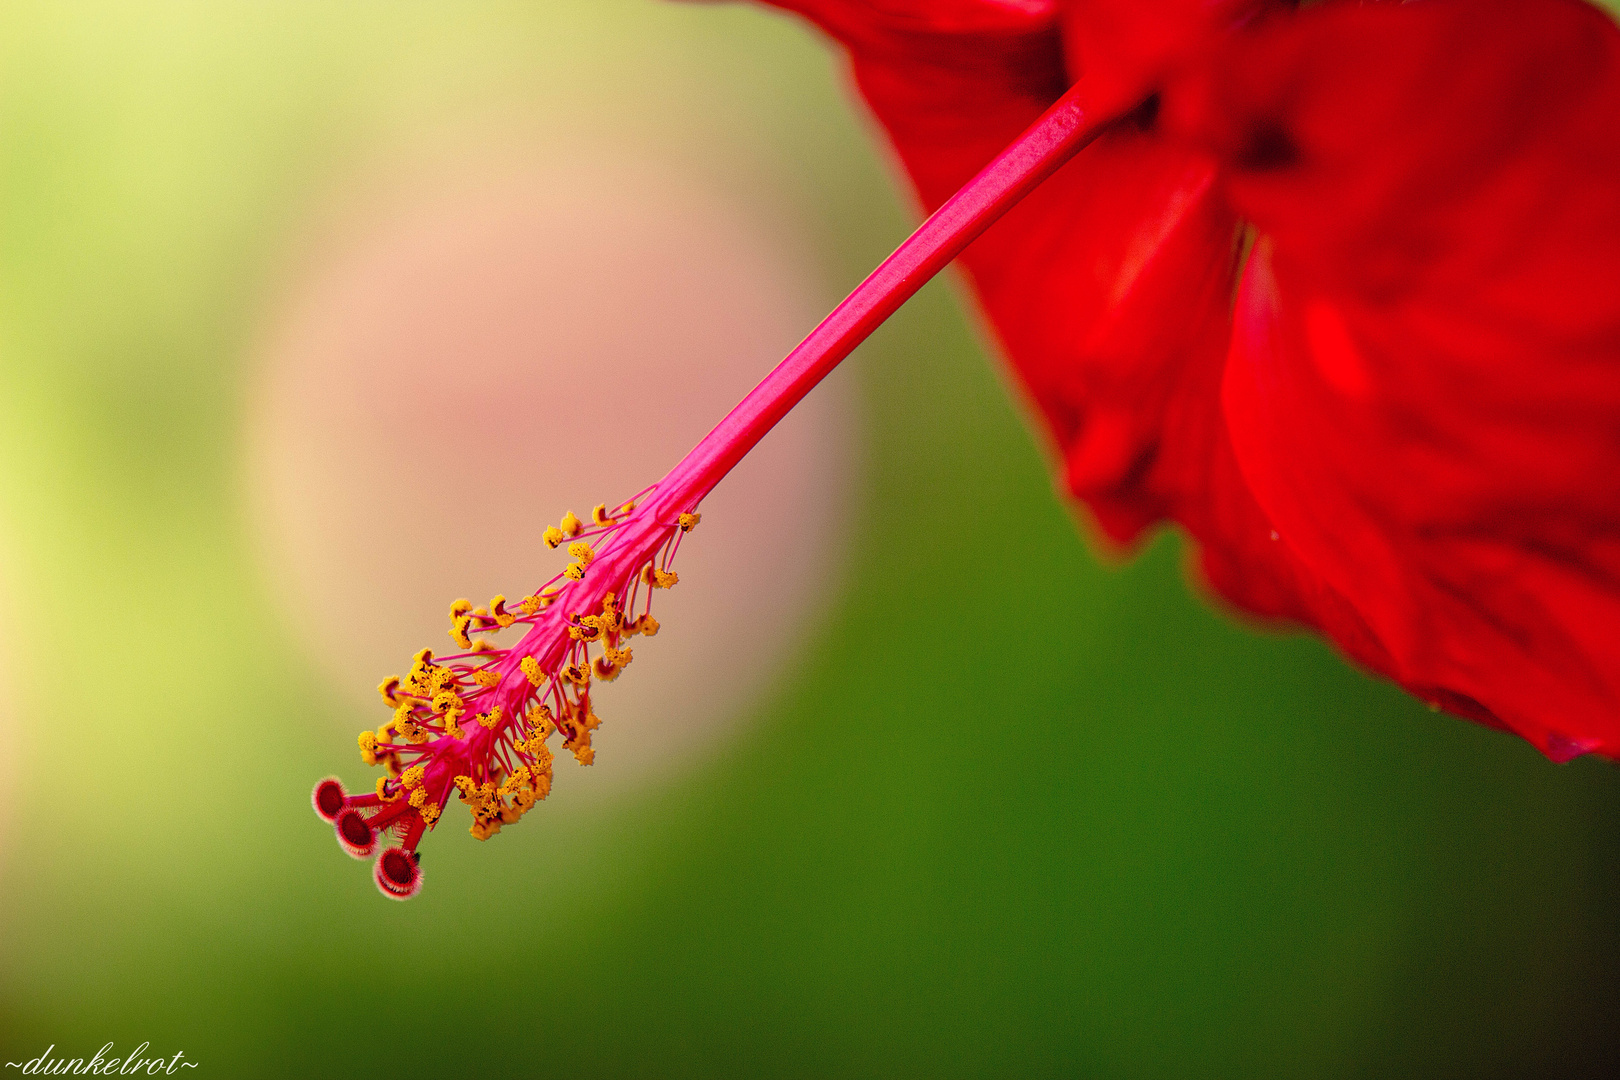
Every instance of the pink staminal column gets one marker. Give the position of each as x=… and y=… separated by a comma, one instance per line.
x=505, y=703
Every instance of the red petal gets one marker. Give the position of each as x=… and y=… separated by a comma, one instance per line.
x=953, y=81
x=864, y=23
x=1109, y=286
x=1424, y=385
x=1124, y=48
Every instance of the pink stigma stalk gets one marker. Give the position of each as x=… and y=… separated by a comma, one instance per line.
x=476, y=723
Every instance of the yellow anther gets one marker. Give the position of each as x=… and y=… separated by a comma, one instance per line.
x=368, y=747
x=486, y=678
x=491, y=718
x=464, y=785
x=582, y=740
x=659, y=579
x=625, y=509
x=497, y=609
x=480, y=613
x=585, y=755
x=688, y=522
x=412, y=777
x=458, y=631
x=411, y=730
x=619, y=658
x=599, y=514
x=430, y=814
x=426, y=678
x=553, y=536
x=591, y=721
x=451, y=727
x=446, y=700
x=529, y=605
x=483, y=645
x=605, y=671
x=389, y=689
x=571, y=524
x=578, y=674
x=460, y=607
x=581, y=551
x=382, y=790
x=419, y=798
x=531, y=669
x=541, y=723
x=512, y=784
x=575, y=572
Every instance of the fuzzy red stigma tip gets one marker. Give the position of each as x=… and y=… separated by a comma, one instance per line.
x=398, y=873
x=328, y=798
x=355, y=834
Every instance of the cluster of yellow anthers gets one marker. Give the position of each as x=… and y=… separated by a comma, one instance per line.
x=477, y=722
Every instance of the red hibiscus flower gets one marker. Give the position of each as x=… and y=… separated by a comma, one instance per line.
x=1337, y=291
x=1340, y=295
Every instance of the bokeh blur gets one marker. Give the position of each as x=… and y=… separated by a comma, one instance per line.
x=313, y=315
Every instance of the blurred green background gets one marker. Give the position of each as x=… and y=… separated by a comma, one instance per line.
x=1010, y=811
